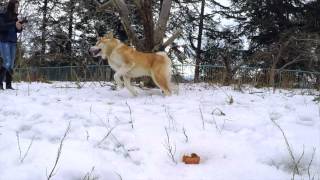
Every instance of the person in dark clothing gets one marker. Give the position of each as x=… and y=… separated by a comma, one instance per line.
x=9, y=27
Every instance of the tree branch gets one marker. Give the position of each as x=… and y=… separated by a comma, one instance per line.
x=297, y=59
x=123, y=10
x=168, y=42
x=162, y=22
x=104, y=5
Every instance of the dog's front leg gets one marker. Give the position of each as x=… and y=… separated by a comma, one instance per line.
x=117, y=78
x=127, y=83
x=122, y=72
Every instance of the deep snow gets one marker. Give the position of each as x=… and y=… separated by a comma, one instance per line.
x=230, y=130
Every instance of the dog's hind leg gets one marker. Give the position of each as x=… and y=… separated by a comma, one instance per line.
x=162, y=82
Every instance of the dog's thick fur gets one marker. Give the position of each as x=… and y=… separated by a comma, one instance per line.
x=129, y=63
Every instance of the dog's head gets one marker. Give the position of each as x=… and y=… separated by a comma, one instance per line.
x=104, y=46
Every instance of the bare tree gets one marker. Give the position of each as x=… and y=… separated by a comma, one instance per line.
x=153, y=32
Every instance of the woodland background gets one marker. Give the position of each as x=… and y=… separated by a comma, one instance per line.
x=265, y=34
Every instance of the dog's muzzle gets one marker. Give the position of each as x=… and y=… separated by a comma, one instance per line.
x=94, y=51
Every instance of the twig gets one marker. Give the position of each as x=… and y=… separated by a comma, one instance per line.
x=131, y=118
x=216, y=124
x=52, y=173
x=171, y=149
x=296, y=168
x=22, y=158
x=88, y=136
x=310, y=163
x=106, y=136
x=90, y=176
x=172, y=123
x=202, y=117
x=185, y=134
x=219, y=111
x=19, y=147
x=119, y=175
x=301, y=156
x=125, y=153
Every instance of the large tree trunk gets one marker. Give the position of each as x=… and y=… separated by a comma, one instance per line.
x=318, y=82
x=272, y=74
x=44, y=30
x=276, y=60
x=199, y=39
x=146, y=16
x=228, y=70
x=70, y=28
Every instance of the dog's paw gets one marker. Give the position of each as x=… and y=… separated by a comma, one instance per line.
x=113, y=87
x=120, y=86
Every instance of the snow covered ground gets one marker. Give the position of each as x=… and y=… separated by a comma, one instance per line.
x=116, y=136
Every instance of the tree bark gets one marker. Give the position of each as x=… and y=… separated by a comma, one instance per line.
x=44, y=30
x=70, y=28
x=198, y=50
x=162, y=22
x=228, y=70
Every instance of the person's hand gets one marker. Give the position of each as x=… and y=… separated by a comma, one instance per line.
x=18, y=25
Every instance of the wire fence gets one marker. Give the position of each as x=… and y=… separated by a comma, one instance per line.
x=181, y=73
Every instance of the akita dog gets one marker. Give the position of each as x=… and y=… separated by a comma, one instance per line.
x=129, y=63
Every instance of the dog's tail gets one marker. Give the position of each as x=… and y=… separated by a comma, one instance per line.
x=168, y=62
x=168, y=71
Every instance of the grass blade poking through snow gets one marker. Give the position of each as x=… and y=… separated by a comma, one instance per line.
x=171, y=148
x=52, y=172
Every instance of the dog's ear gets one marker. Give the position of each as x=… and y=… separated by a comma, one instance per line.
x=109, y=35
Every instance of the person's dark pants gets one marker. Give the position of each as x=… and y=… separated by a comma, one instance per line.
x=2, y=75
x=8, y=54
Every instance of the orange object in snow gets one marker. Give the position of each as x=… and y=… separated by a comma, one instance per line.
x=193, y=159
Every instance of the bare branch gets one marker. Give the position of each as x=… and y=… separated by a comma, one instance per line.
x=168, y=42
x=123, y=10
x=297, y=59
x=104, y=5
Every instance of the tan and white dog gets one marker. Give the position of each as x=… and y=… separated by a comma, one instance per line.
x=129, y=63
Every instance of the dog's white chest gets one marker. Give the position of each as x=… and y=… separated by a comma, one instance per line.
x=115, y=61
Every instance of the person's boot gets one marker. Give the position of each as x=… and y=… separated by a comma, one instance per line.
x=9, y=79
x=2, y=74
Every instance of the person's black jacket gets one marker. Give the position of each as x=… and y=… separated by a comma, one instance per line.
x=8, y=30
